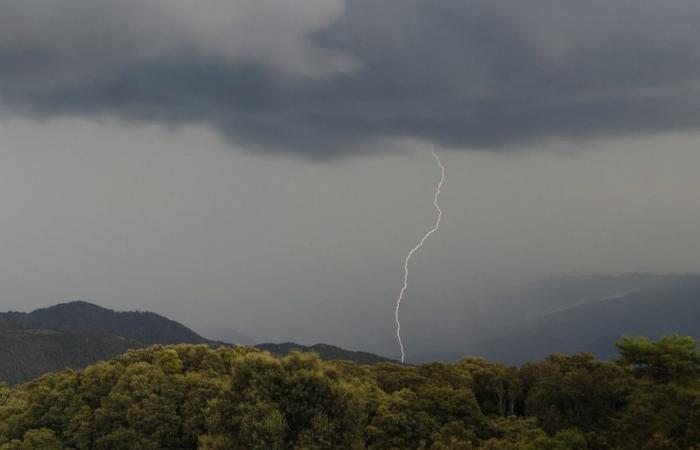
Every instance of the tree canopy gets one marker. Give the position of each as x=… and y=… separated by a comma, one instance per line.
x=196, y=397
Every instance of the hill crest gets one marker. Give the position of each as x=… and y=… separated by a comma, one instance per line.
x=84, y=317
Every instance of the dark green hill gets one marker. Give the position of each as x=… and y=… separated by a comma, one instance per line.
x=26, y=353
x=77, y=334
x=78, y=317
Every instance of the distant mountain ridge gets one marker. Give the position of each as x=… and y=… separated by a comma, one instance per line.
x=503, y=310
x=670, y=306
x=595, y=326
x=521, y=311
x=79, y=316
x=554, y=294
x=79, y=333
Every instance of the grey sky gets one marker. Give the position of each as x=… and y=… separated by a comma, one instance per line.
x=325, y=77
x=265, y=165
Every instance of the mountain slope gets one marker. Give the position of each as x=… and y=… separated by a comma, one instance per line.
x=557, y=293
x=77, y=334
x=502, y=310
x=78, y=317
x=595, y=326
x=26, y=353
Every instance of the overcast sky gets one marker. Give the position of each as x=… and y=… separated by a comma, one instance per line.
x=265, y=165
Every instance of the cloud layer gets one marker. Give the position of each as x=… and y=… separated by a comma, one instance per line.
x=323, y=77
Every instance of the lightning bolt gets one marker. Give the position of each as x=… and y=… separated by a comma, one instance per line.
x=420, y=244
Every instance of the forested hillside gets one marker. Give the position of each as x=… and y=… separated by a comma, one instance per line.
x=76, y=334
x=26, y=353
x=79, y=317
x=193, y=396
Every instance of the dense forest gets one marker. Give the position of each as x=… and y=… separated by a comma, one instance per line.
x=193, y=396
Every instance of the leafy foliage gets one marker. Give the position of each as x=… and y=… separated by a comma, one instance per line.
x=193, y=396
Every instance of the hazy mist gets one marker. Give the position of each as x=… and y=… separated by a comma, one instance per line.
x=178, y=222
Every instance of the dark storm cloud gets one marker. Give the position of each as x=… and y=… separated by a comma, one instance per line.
x=483, y=73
